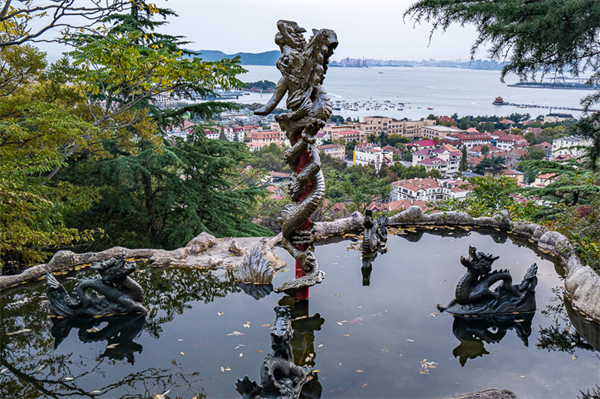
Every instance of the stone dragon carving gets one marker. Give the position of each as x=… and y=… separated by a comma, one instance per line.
x=303, y=66
x=119, y=293
x=474, y=294
x=279, y=376
x=375, y=233
x=374, y=239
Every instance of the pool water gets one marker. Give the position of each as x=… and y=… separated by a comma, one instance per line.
x=384, y=340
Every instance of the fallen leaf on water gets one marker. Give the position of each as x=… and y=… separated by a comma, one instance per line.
x=222, y=369
x=236, y=333
x=227, y=368
x=266, y=325
x=410, y=340
x=424, y=372
x=239, y=346
x=246, y=324
x=573, y=357
x=521, y=376
x=43, y=366
x=19, y=332
x=320, y=345
x=180, y=340
x=340, y=323
x=241, y=355
x=433, y=314
x=97, y=316
x=337, y=295
x=346, y=335
x=111, y=346
x=220, y=313
x=257, y=351
x=359, y=371
x=161, y=396
x=182, y=354
x=92, y=330
x=3, y=371
x=364, y=385
x=96, y=391
x=68, y=378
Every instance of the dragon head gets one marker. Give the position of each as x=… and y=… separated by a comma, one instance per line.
x=290, y=35
x=114, y=269
x=478, y=263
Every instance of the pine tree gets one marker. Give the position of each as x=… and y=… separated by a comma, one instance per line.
x=464, y=165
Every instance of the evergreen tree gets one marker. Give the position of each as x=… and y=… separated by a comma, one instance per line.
x=464, y=160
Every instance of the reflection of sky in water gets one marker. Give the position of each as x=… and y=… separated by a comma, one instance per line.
x=384, y=331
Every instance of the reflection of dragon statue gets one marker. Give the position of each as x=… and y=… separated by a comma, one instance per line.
x=118, y=292
x=279, y=376
x=474, y=332
x=303, y=66
x=474, y=294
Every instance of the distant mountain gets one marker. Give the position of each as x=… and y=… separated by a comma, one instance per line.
x=266, y=58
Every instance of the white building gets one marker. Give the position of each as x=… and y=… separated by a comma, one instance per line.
x=446, y=160
x=568, y=146
x=428, y=189
x=368, y=153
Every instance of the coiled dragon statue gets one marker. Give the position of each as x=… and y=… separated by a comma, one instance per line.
x=475, y=294
x=302, y=65
x=119, y=293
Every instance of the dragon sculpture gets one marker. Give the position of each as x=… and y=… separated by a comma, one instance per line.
x=374, y=239
x=303, y=66
x=118, y=292
x=279, y=376
x=475, y=296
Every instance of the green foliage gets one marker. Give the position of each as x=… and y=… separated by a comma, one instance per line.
x=464, y=165
x=165, y=196
x=359, y=185
x=534, y=153
x=265, y=85
x=492, y=165
x=490, y=196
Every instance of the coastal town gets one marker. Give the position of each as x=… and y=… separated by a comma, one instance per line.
x=436, y=144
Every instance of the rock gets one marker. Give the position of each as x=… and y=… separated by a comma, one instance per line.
x=255, y=269
x=201, y=243
x=235, y=248
x=412, y=215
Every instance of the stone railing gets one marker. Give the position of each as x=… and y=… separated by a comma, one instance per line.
x=582, y=283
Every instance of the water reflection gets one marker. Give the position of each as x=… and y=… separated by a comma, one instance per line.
x=256, y=291
x=474, y=332
x=367, y=264
x=119, y=333
x=303, y=341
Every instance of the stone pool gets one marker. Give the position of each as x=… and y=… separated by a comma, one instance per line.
x=385, y=339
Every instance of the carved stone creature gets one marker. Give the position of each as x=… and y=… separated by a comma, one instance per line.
x=375, y=233
x=474, y=294
x=303, y=66
x=279, y=376
x=118, y=292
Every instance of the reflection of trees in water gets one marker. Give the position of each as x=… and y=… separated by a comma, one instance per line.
x=169, y=291
x=33, y=369
x=570, y=330
x=560, y=335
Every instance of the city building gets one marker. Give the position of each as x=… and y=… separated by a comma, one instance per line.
x=337, y=151
x=368, y=153
x=439, y=131
x=347, y=135
x=571, y=145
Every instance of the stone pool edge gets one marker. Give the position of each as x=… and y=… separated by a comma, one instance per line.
x=581, y=282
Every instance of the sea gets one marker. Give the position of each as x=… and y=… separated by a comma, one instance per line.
x=426, y=90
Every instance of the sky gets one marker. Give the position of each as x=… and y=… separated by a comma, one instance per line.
x=365, y=28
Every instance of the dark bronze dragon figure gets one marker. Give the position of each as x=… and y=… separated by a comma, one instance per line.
x=303, y=66
x=279, y=376
x=119, y=293
x=474, y=294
